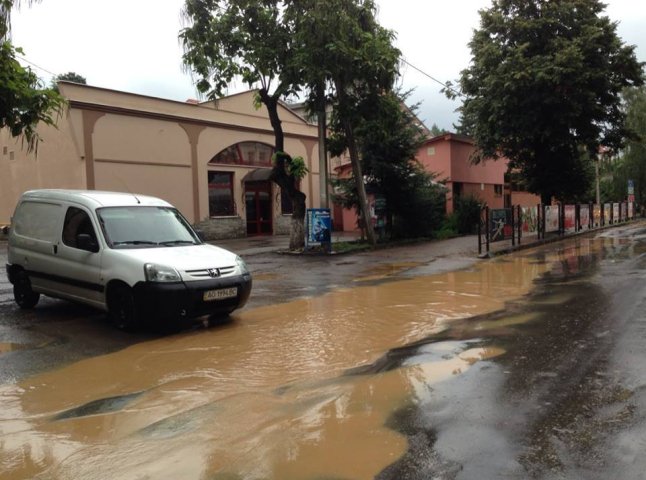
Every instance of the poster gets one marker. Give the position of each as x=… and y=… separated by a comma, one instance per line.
x=500, y=224
x=529, y=219
x=584, y=216
x=551, y=218
x=570, y=218
x=319, y=227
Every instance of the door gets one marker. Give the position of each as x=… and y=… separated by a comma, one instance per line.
x=79, y=269
x=259, y=208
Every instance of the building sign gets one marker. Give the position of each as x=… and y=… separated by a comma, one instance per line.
x=500, y=227
x=319, y=227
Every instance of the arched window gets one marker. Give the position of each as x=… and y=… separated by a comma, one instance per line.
x=245, y=153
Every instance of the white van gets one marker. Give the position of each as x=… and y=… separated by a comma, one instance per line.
x=134, y=256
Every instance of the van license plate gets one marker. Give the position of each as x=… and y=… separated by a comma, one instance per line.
x=220, y=294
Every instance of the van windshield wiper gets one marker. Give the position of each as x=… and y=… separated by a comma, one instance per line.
x=135, y=242
x=178, y=242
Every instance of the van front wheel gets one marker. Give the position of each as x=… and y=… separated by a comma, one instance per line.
x=24, y=296
x=122, y=309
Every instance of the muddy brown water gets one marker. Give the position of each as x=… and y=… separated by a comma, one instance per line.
x=269, y=396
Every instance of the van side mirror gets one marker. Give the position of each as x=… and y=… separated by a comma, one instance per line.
x=5, y=229
x=86, y=242
x=200, y=235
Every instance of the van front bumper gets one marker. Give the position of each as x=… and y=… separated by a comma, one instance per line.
x=160, y=302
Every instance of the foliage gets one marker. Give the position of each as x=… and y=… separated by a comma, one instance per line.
x=345, y=54
x=544, y=82
x=448, y=228
x=24, y=101
x=437, y=131
x=467, y=214
x=67, y=77
x=630, y=163
x=388, y=138
x=296, y=167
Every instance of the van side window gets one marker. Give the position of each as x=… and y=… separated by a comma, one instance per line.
x=77, y=221
x=38, y=220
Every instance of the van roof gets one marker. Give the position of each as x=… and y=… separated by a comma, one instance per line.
x=96, y=198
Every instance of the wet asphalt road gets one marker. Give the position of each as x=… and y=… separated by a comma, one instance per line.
x=567, y=400
x=57, y=333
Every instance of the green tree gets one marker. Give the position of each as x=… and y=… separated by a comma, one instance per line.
x=67, y=77
x=388, y=139
x=24, y=101
x=249, y=39
x=437, y=131
x=630, y=163
x=543, y=89
x=343, y=51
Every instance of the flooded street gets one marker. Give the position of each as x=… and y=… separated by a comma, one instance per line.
x=531, y=365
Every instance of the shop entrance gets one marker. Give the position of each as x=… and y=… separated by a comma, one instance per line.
x=258, y=206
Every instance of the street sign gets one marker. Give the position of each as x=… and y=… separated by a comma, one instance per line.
x=631, y=187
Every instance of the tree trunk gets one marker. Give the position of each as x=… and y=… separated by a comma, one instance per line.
x=280, y=176
x=361, y=187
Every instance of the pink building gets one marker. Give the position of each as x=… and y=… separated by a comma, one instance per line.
x=449, y=156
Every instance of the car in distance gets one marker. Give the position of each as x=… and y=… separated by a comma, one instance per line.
x=134, y=256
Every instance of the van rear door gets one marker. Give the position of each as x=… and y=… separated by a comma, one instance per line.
x=34, y=239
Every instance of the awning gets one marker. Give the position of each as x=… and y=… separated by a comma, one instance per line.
x=257, y=175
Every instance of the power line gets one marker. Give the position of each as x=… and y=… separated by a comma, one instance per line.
x=33, y=64
x=459, y=94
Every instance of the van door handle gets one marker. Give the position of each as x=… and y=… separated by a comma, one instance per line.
x=55, y=249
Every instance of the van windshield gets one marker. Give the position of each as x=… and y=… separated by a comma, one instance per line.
x=145, y=227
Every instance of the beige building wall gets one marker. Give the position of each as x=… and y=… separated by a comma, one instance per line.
x=111, y=140
x=56, y=164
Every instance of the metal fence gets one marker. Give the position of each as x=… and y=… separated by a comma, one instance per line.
x=512, y=224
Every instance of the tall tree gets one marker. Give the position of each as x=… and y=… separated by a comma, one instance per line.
x=388, y=138
x=341, y=49
x=249, y=39
x=24, y=101
x=630, y=163
x=543, y=89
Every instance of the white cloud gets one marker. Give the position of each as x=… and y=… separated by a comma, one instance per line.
x=132, y=45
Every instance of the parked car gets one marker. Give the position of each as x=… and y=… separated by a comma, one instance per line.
x=134, y=256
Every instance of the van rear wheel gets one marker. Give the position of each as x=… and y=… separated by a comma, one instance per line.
x=24, y=296
x=122, y=309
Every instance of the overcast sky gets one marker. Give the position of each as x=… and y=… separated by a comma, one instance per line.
x=132, y=45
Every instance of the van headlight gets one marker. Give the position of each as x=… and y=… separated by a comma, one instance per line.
x=161, y=273
x=242, y=266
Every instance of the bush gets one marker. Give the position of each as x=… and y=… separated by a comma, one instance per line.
x=467, y=214
x=449, y=228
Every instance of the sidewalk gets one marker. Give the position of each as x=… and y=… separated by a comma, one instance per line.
x=271, y=243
